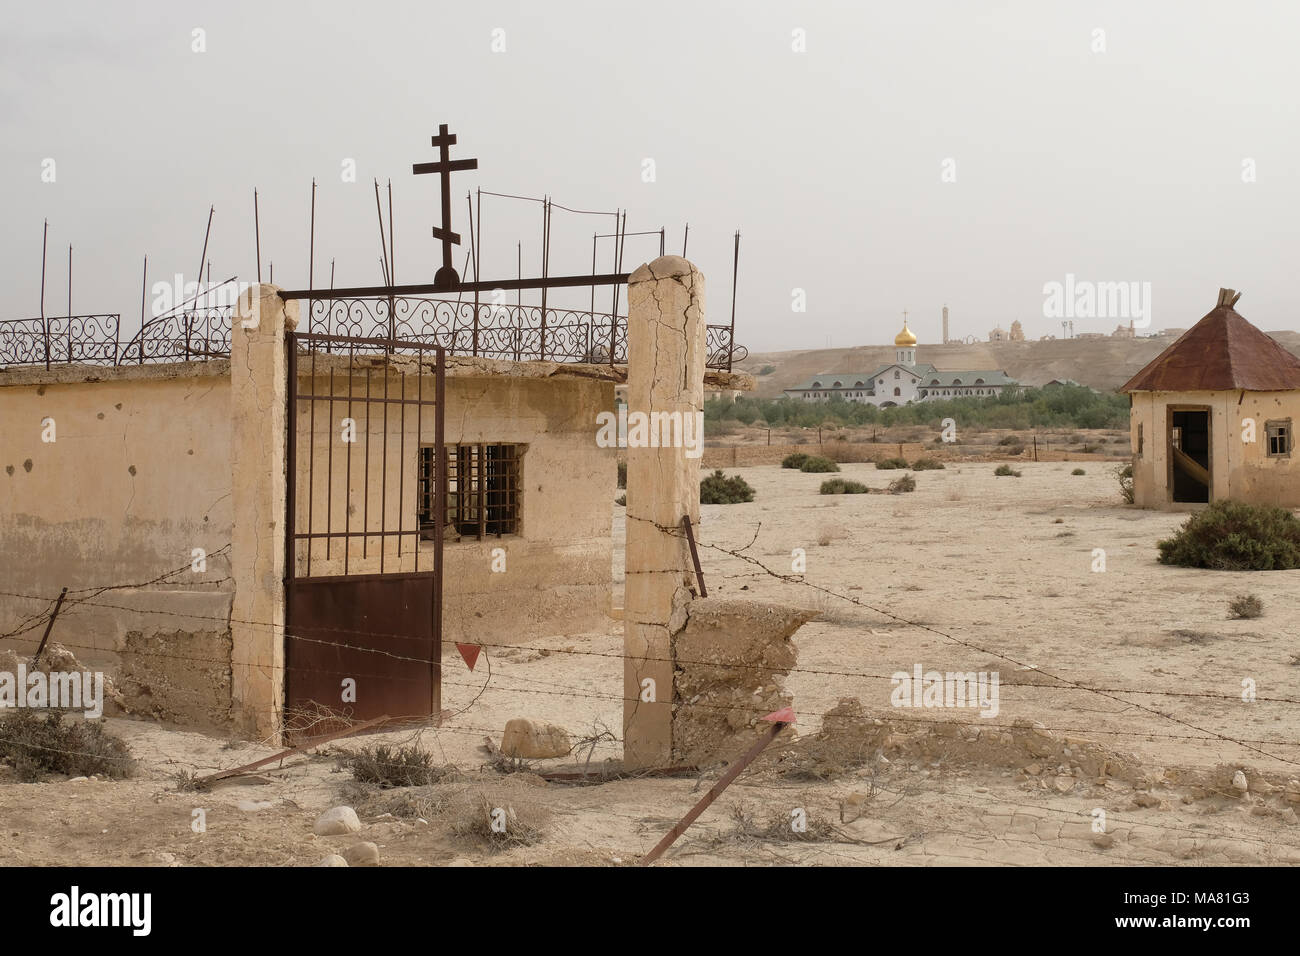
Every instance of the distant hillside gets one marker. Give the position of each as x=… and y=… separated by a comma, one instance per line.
x=1101, y=363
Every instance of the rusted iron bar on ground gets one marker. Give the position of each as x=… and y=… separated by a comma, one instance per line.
x=50, y=626
x=695, y=555
x=306, y=745
x=732, y=773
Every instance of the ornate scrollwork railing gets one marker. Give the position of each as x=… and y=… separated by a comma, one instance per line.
x=513, y=332
x=60, y=340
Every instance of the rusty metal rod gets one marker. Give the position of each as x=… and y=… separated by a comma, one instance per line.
x=695, y=555
x=724, y=781
x=50, y=626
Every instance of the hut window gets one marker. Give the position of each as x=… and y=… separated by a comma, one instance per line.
x=1139, y=439
x=482, y=489
x=1279, y=438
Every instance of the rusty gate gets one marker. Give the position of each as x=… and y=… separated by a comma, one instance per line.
x=365, y=501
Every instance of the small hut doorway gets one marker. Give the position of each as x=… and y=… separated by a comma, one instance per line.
x=1189, y=454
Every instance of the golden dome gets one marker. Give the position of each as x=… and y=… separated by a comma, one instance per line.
x=905, y=337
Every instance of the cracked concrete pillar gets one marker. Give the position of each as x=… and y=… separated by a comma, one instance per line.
x=665, y=374
x=258, y=437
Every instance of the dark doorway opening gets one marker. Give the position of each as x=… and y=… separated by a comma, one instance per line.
x=1189, y=455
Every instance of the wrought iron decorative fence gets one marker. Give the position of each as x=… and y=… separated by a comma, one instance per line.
x=513, y=332
x=60, y=340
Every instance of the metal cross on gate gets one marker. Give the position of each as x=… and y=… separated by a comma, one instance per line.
x=446, y=277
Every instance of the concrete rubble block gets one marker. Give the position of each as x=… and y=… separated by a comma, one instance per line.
x=534, y=739
x=336, y=822
x=731, y=658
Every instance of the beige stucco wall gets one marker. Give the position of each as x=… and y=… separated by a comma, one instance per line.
x=557, y=576
x=138, y=476
x=1239, y=470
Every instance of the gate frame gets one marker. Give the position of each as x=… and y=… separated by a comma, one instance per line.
x=384, y=347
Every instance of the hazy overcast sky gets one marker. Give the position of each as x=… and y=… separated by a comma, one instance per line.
x=1122, y=165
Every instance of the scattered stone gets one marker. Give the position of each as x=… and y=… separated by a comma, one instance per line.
x=1239, y=782
x=1064, y=783
x=1144, y=799
x=460, y=861
x=78, y=779
x=1103, y=840
x=333, y=860
x=364, y=853
x=252, y=806
x=534, y=739
x=1034, y=769
x=336, y=822
x=1293, y=791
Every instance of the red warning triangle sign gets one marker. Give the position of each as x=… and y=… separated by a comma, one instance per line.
x=783, y=716
x=469, y=652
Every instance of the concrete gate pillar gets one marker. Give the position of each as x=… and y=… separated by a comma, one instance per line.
x=666, y=350
x=258, y=438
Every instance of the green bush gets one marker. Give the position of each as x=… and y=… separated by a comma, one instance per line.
x=1234, y=536
x=794, y=460
x=901, y=485
x=843, y=486
x=40, y=743
x=767, y=370
x=1002, y=471
x=816, y=464
x=890, y=464
x=927, y=464
x=1078, y=471
x=718, y=489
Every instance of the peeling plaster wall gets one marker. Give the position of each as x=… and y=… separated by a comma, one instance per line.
x=1240, y=470
x=557, y=576
x=137, y=477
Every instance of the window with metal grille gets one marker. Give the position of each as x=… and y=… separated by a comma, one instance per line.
x=1279, y=438
x=482, y=490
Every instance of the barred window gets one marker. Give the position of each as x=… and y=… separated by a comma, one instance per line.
x=1279, y=438
x=482, y=490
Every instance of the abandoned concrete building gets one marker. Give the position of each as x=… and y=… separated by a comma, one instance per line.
x=1212, y=417
x=192, y=492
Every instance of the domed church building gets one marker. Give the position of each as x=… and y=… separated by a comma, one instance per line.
x=903, y=381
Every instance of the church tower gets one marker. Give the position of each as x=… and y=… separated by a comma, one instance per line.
x=905, y=345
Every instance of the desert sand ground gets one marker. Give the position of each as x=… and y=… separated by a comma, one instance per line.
x=970, y=572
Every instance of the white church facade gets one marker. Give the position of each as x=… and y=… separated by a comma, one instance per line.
x=903, y=381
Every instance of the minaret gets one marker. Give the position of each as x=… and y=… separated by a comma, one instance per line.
x=945, y=325
x=905, y=345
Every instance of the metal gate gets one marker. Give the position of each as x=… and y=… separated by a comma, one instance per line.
x=365, y=516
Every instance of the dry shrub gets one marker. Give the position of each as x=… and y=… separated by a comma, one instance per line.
x=778, y=829
x=385, y=766
x=1010, y=440
x=1004, y=471
x=828, y=532
x=1124, y=476
x=1246, y=606
x=411, y=802
x=927, y=464
x=37, y=744
x=720, y=489
x=519, y=822
x=891, y=464
x=1078, y=471
x=902, y=485
x=794, y=460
